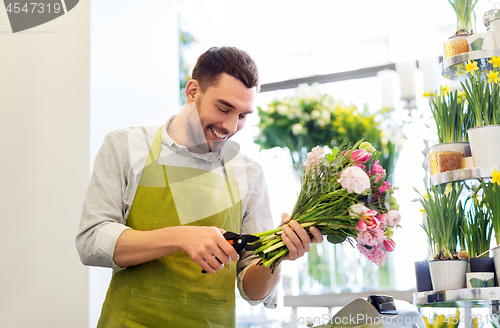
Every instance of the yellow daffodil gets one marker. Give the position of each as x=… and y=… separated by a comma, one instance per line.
x=428, y=94
x=496, y=177
x=448, y=189
x=461, y=96
x=471, y=67
x=495, y=61
x=426, y=196
x=445, y=89
x=493, y=77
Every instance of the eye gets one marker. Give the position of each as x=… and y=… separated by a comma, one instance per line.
x=222, y=110
x=242, y=116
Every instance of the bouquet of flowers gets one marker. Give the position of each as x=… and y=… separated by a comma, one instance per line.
x=346, y=195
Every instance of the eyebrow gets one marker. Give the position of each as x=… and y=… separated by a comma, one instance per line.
x=230, y=106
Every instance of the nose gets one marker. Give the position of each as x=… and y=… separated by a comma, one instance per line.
x=231, y=124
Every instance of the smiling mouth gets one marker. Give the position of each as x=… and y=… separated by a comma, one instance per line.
x=218, y=135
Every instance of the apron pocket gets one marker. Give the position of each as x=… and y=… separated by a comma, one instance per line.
x=150, y=310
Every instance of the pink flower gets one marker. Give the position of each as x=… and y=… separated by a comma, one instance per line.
x=382, y=220
x=314, y=157
x=361, y=225
x=361, y=166
x=379, y=235
x=386, y=185
x=370, y=219
x=354, y=180
x=393, y=217
x=360, y=156
x=366, y=238
x=376, y=254
x=377, y=169
x=389, y=245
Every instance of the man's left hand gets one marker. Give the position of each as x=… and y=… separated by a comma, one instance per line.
x=296, y=238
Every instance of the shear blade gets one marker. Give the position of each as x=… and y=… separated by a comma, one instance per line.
x=253, y=246
x=230, y=235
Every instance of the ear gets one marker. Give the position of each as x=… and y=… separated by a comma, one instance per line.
x=192, y=87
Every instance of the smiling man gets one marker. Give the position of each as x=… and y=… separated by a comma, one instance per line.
x=160, y=199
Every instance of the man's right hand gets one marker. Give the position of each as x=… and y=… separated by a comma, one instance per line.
x=204, y=245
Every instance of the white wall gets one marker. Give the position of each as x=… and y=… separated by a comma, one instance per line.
x=134, y=77
x=44, y=147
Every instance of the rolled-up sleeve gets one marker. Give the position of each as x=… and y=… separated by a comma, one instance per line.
x=102, y=220
x=257, y=218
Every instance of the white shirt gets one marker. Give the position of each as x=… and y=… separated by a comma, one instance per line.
x=114, y=181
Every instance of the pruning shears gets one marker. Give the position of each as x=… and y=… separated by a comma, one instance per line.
x=240, y=242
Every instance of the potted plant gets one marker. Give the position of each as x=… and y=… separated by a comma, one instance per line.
x=452, y=122
x=442, y=213
x=483, y=97
x=457, y=44
x=491, y=192
x=477, y=232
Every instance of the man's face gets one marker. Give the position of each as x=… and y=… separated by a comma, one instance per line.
x=223, y=108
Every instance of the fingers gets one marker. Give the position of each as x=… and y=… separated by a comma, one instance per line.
x=208, y=248
x=296, y=240
x=285, y=218
x=317, y=235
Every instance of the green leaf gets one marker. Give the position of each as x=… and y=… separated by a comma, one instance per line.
x=335, y=239
x=477, y=44
x=337, y=161
x=325, y=162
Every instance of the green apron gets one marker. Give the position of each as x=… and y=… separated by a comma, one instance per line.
x=172, y=291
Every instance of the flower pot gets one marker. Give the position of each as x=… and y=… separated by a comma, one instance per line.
x=481, y=41
x=483, y=146
x=496, y=259
x=480, y=279
x=495, y=29
x=443, y=161
x=423, y=276
x=482, y=264
x=448, y=274
x=447, y=156
x=462, y=147
x=456, y=45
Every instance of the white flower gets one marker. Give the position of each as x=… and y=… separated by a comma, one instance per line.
x=297, y=129
x=315, y=114
x=270, y=109
x=283, y=109
x=325, y=115
x=302, y=91
x=357, y=210
x=393, y=133
x=314, y=93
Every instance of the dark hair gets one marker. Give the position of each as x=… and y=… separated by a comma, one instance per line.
x=229, y=60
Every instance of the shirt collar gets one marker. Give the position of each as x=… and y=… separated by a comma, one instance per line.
x=169, y=142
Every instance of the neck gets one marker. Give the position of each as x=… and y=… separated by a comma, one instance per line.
x=186, y=130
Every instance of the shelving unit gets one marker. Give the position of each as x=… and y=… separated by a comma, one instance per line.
x=453, y=68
